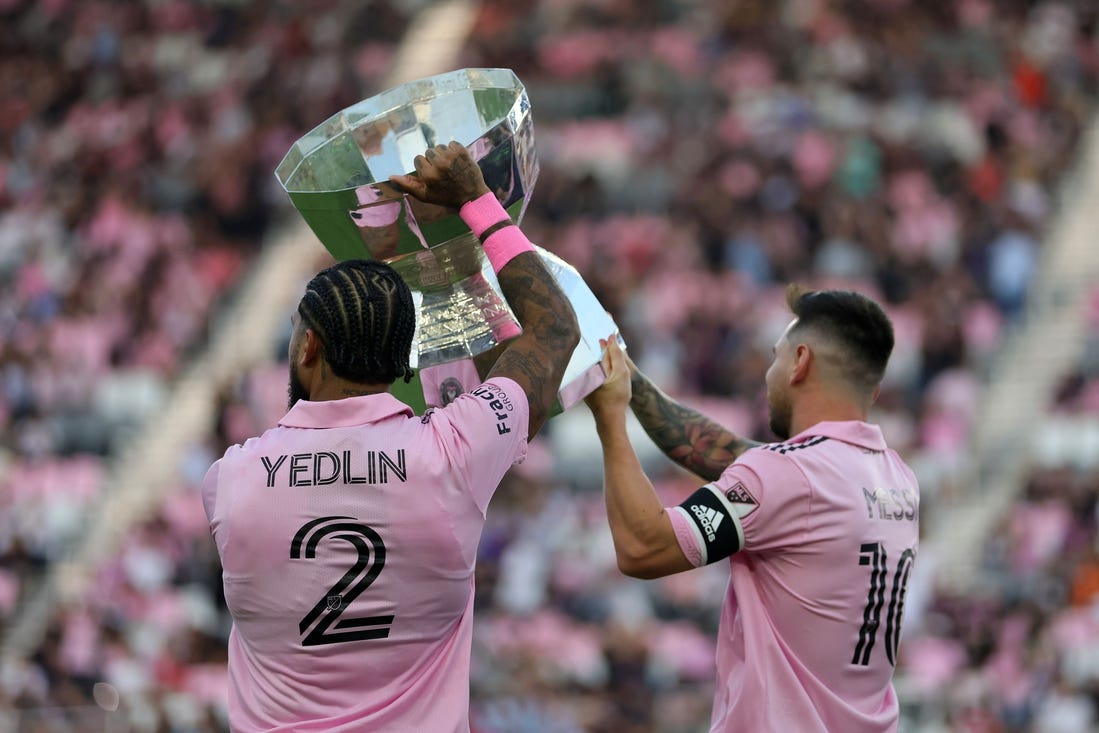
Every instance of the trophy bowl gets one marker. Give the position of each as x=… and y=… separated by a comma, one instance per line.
x=337, y=176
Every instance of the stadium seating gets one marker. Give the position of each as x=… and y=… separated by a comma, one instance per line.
x=696, y=156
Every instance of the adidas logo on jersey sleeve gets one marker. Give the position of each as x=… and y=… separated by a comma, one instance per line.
x=715, y=522
x=709, y=519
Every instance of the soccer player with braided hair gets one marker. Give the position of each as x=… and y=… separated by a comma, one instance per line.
x=348, y=533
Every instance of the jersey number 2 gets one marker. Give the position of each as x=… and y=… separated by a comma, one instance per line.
x=873, y=554
x=358, y=578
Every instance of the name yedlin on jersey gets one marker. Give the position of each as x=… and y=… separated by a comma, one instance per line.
x=326, y=467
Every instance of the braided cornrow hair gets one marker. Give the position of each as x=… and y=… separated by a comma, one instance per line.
x=363, y=313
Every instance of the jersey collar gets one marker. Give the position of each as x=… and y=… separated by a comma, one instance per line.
x=344, y=413
x=863, y=434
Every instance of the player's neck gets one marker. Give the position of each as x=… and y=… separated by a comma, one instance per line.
x=336, y=388
x=821, y=407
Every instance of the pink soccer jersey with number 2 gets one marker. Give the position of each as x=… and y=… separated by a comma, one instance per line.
x=348, y=536
x=827, y=526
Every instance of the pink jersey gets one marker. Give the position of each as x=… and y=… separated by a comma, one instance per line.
x=348, y=536
x=826, y=526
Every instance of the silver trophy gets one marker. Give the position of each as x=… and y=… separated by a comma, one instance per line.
x=337, y=176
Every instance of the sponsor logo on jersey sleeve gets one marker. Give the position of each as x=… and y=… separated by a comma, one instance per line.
x=499, y=403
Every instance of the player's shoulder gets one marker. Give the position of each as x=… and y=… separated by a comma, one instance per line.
x=785, y=460
x=904, y=467
x=769, y=461
x=231, y=456
x=500, y=397
x=791, y=447
x=491, y=418
x=239, y=451
x=504, y=389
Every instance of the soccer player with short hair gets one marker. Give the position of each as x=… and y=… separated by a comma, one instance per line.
x=820, y=530
x=348, y=533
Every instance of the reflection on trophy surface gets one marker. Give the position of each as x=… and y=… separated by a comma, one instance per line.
x=337, y=177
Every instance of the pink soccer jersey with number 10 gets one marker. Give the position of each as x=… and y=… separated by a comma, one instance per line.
x=347, y=537
x=827, y=529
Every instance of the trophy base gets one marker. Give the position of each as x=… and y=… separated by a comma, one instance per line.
x=439, y=381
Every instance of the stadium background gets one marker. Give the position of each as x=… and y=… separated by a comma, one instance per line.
x=696, y=155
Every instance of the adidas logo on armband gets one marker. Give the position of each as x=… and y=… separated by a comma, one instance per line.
x=709, y=519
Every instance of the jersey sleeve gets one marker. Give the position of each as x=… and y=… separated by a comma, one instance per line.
x=761, y=502
x=490, y=427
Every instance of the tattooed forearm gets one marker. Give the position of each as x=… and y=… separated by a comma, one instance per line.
x=688, y=437
x=537, y=358
x=530, y=373
x=484, y=361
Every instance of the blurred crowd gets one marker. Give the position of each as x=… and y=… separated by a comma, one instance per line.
x=695, y=157
x=1019, y=650
x=136, y=186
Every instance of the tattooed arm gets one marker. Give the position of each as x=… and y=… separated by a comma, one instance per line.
x=484, y=361
x=536, y=359
x=688, y=437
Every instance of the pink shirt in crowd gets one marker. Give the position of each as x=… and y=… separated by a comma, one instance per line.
x=827, y=527
x=348, y=536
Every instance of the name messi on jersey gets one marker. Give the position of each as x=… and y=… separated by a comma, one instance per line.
x=896, y=504
x=326, y=467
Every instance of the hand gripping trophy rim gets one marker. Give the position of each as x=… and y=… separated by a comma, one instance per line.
x=337, y=177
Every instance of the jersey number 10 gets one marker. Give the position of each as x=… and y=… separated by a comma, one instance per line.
x=873, y=554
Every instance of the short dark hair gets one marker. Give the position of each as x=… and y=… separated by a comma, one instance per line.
x=854, y=322
x=363, y=313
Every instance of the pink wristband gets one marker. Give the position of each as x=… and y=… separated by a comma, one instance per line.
x=482, y=212
x=501, y=245
x=504, y=244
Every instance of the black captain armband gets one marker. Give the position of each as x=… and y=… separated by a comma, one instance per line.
x=716, y=523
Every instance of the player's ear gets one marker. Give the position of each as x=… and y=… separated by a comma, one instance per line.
x=803, y=359
x=311, y=349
